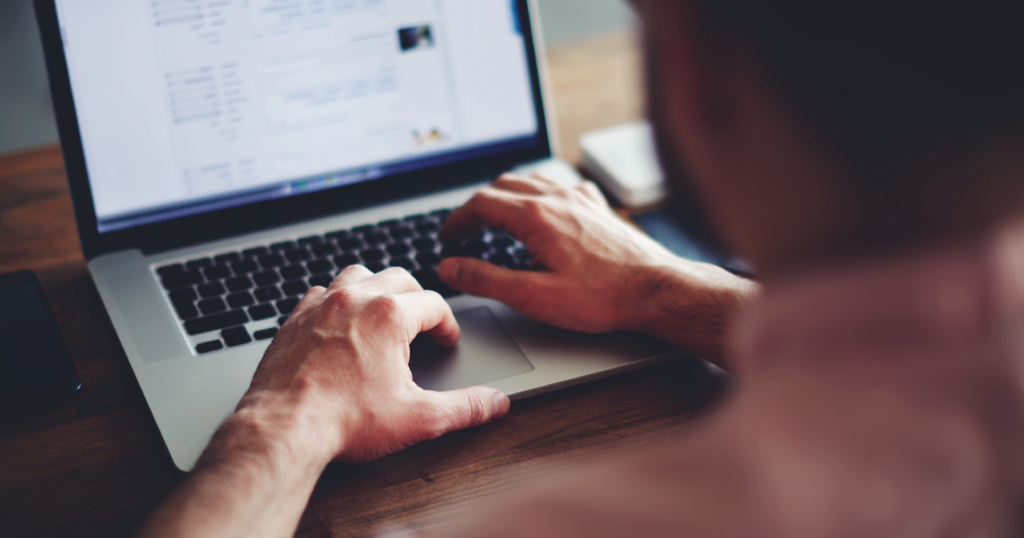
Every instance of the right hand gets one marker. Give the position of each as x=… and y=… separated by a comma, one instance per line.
x=599, y=273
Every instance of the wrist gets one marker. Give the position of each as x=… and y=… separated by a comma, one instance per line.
x=276, y=434
x=690, y=304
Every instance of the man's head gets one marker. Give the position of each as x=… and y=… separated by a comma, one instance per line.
x=802, y=129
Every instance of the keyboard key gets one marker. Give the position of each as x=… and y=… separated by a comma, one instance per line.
x=244, y=267
x=183, y=294
x=452, y=249
x=376, y=239
x=325, y=250
x=400, y=233
x=281, y=320
x=264, y=278
x=238, y=283
x=235, y=336
x=399, y=249
x=240, y=299
x=365, y=229
x=321, y=280
x=216, y=322
x=424, y=244
x=502, y=259
x=266, y=334
x=345, y=260
x=207, y=347
x=212, y=306
x=293, y=271
x=186, y=309
x=426, y=276
x=226, y=258
x=211, y=289
x=442, y=288
x=502, y=241
x=283, y=245
x=338, y=235
x=169, y=270
x=287, y=305
x=441, y=214
x=262, y=311
x=428, y=259
x=415, y=218
x=254, y=252
x=294, y=287
x=428, y=228
x=376, y=267
x=217, y=272
x=181, y=280
x=195, y=265
x=311, y=240
x=371, y=255
x=269, y=293
x=477, y=248
x=389, y=223
x=350, y=244
x=404, y=263
x=269, y=261
x=298, y=255
x=319, y=266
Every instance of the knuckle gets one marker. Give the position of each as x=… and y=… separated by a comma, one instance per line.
x=477, y=409
x=387, y=307
x=535, y=209
x=343, y=299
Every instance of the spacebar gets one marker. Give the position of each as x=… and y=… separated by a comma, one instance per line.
x=216, y=321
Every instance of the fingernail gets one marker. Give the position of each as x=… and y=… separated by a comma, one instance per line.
x=498, y=404
x=449, y=271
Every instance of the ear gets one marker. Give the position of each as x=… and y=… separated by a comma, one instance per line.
x=685, y=71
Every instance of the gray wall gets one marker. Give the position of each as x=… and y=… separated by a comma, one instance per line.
x=26, y=119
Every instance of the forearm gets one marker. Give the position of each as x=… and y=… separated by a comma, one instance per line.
x=254, y=479
x=692, y=305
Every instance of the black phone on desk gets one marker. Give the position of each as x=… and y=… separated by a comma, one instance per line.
x=36, y=370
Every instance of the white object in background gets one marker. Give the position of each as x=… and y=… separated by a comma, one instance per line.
x=624, y=161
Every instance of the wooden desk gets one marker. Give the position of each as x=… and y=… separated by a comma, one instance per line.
x=97, y=466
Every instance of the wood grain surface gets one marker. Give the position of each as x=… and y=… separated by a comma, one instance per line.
x=96, y=466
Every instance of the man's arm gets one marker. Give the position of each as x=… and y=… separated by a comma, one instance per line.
x=335, y=384
x=599, y=273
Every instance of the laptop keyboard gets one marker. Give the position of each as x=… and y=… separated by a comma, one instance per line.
x=235, y=298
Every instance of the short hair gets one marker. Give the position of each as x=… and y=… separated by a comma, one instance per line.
x=889, y=76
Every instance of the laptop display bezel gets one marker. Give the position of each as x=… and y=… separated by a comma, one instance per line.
x=218, y=224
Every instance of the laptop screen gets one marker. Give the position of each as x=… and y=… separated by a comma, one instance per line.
x=192, y=106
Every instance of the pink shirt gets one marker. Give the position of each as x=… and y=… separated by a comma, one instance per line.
x=881, y=400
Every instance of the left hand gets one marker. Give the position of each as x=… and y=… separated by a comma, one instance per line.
x=340, y=365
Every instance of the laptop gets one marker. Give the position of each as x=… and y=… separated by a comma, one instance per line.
x=226, y=155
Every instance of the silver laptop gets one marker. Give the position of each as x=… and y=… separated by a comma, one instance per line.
x=226, y=155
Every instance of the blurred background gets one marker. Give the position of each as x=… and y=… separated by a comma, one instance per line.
x=26, y=117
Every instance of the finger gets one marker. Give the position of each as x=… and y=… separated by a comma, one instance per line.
x=429, y=313
x=393, y=280
x=312, y=296
x=546, y=180
x=593, y=192
x=490, y=207
x=524, y=185
x=464, y=408
x=351, y=275
x=517, y=289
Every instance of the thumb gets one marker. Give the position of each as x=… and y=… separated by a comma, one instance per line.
x=483, y=279
x=466, y=408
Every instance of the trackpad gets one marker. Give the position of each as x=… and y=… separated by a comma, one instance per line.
x=485, y=353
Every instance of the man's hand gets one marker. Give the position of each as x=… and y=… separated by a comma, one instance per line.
x=334, y=384
x=599, y=274
x=344, y=354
